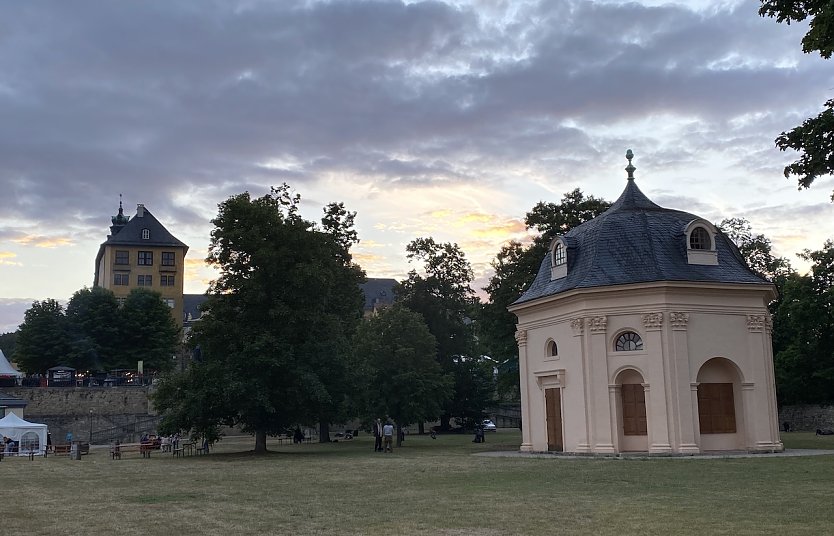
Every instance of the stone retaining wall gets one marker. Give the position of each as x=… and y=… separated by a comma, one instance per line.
x=79, y=401
x=807, y=418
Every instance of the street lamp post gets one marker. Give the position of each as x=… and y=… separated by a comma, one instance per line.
x=90, y=441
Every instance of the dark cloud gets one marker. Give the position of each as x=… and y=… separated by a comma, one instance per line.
x=175, y=103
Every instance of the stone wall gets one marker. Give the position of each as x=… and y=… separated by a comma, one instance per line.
x=73, y=401
x=105, y=413
x=807, y=418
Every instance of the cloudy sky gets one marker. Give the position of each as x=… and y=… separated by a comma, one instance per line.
x=445, y=119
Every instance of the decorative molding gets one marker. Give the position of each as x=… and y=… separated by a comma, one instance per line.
x=748, y=386
x=679, y=320
x=521, y=337
x=578, y=326
x=693, y=386
x=597, y=324
x=755, y=323
x=653, y=321
x=769, y=323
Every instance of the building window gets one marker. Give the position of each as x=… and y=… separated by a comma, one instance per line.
x=559, y=257
x=169, y=303
x=699, y=239
x=628, y=342
x=552, y=349
x=145, y=258
x=145, y=280
x=122, y=257
x=716, y=408
x=121, y=279
x=146, y=234
x=167, y=258
x=166, y=281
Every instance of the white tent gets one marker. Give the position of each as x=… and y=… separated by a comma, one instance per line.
x=30, y=436
x=6, y=368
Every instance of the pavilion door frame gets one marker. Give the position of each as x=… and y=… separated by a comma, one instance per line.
x=553, y=380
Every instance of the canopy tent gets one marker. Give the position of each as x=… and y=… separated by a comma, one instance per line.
x=30, y=436
x=6, y=368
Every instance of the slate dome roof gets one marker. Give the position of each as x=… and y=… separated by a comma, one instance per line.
x=636, y=241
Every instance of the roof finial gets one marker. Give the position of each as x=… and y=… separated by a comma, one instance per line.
x=120, y=205
x=630, y=168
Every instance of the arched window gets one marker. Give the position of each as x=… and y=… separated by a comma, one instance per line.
x=628, y=342
x=552, y=349
x=700, y=243
x=699, y=239
x=559, y=257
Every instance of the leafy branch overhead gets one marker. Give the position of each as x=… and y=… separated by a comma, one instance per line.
x=814, y=138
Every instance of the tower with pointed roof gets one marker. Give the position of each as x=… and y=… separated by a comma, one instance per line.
x=140, y=252
x=644, y=330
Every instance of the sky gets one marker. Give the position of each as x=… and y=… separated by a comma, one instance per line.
x=448, y=119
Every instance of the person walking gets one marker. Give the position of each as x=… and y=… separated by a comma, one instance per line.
x=378, y=436
x=388, y=436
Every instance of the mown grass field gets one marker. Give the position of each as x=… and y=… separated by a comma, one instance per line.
x=426, y=487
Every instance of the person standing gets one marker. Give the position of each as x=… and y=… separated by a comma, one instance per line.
x=378, y=436
x=388, y=436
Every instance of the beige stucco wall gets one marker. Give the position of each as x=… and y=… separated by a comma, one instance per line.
x=683, y=326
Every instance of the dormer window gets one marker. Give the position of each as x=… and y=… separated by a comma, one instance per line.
x=146, y=234
x=700, y=243
x=558, y=259
x=699, y=239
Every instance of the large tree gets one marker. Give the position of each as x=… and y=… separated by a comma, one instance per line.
x=149, y=332
x=441, y=293
x=814, y=138
x=404, y=380
x=756, y=249
x=96, y=330
x=803, y=333
x=516, y=265
x=43, y=340
x=275, y=339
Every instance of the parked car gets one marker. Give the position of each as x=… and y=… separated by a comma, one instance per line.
x=489, y=426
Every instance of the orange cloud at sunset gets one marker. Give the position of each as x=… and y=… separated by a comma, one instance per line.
x=42, y=241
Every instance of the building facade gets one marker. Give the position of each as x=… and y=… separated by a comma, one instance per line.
x=141, y=253
x=645, y=331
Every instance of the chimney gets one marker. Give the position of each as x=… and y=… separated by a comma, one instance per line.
x=140, y=210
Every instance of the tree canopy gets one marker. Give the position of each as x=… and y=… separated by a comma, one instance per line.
x=275, y=337
x=814, y=138
x=803, y=333
x=95, y=333
x=516, y=265
x=404, y=380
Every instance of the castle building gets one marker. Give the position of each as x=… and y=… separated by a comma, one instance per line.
x=645, y=331
x=141, y=253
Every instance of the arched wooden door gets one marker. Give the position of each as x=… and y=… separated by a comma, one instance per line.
x=553, y=408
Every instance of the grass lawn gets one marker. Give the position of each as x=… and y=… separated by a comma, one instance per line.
x=426, y=487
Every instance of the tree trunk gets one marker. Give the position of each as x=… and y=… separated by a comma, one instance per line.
x=260, y=442
x=421, y=428
x=324, y=432
x=444, y=422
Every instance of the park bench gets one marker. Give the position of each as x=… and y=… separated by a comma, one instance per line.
x=183, y=448
x=64, y=449
x=144, y=449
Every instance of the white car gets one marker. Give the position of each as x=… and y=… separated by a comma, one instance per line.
x=489, y=426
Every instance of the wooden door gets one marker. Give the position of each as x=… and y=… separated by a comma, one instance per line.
x=553, y=408
x=634, y=409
